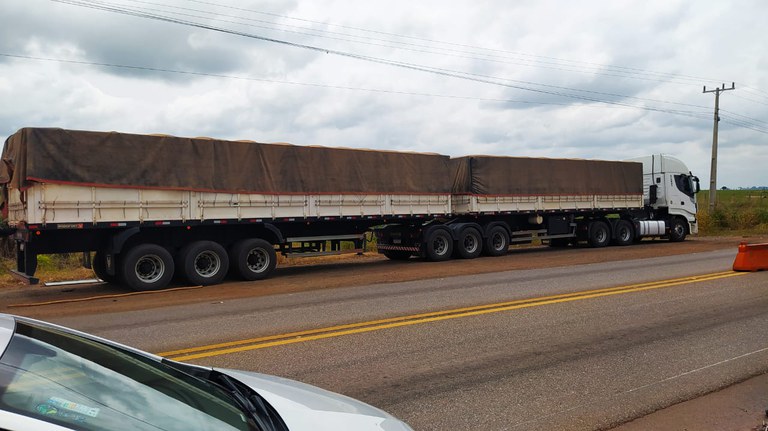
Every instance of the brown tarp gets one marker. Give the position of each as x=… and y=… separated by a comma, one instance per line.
x=487, y=175
x=114, y=159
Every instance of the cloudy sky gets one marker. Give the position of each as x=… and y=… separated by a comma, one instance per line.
x=590, y=79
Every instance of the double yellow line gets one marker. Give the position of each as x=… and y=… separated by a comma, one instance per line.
x=415, y=319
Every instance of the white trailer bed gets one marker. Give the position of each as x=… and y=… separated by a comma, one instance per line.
x=502, y=204
x=57, y=203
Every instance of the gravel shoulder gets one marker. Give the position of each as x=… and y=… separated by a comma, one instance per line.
x=330, y=272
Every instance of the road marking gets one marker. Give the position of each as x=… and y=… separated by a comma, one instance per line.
x=415, y=319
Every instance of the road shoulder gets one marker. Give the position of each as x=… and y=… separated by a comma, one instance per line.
x=740, y=407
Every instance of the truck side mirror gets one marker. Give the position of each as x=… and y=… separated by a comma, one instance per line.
x=696, y=180
x=653, y=193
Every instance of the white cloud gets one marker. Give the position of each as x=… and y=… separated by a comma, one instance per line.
x=644, y=52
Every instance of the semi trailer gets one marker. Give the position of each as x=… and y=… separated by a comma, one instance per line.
x=498, y=201
x=145, y=208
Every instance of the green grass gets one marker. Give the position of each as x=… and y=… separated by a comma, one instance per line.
x=739, y=212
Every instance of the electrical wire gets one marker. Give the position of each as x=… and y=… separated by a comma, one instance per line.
x=592, y=64
x=592, y=70
x=700, y=115
x=422, y=68
x=461, y=75
x=275, y=81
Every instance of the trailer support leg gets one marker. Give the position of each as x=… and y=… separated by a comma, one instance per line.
x=26, y=264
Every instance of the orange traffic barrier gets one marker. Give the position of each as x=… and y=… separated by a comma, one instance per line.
x=751, y=257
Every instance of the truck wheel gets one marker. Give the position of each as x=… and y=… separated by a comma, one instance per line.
x=497, y=242
x=397, y=254
x=99, y=265
x=625, y=235
x=677, y=230
x=599, y=235
x=470, y=243
x=253, y=259
x=439, y=245
x=146, y=267
x=203, y=262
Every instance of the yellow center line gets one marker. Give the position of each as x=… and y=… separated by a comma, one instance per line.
x=414, y=319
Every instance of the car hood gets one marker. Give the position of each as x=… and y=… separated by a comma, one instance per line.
x=304, y=407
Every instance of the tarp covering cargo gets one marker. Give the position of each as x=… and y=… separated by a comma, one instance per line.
x=126, y=160
x=487, y=175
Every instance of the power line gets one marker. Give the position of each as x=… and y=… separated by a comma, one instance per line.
x=477, y=75
x=410, y=66
x=274, y=81
x=751, y=100
x=753, y=90
x=700, y=115
x=593, y=68
x=745, y=118
x=598, y=65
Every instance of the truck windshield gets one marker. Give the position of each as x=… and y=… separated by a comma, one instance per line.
x=685, y=184
x=79, y=383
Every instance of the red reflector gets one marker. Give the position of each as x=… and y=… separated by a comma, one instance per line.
x=33, y=226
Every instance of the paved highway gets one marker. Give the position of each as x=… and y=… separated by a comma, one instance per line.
x=583, y=347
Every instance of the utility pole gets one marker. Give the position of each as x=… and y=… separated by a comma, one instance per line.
x=713, y=169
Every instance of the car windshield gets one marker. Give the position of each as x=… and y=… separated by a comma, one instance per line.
x=79, y=383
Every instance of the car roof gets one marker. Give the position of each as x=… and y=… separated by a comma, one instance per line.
x=7, y=326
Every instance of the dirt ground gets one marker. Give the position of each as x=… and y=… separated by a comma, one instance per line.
x=327, y=273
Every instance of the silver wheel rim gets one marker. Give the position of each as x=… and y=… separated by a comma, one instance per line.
x=498, y=241
x=257, y=260
x=679, y=229
x=149, y=268
x=624, y=234
x=601, y=235
x=470, y=243
x=207, y=264
x=440, y=245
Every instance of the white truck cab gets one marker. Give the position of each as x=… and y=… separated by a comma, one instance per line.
x=668, y=186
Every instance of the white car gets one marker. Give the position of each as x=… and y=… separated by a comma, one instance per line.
x=55, y=378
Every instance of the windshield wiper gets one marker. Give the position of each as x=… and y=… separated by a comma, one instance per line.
x=251, y=402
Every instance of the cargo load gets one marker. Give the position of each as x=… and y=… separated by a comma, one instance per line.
x=112, y=159
x=508, y=184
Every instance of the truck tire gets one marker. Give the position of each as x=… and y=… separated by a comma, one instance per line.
x=253, y=259
x=203, y=263
x=599, y=234
x=439, y=245
x=677, y=230
x=469, y=244
x=624, y=233
x=99, y=265
x=146, y=267
x=497, y=242
x=397, y=254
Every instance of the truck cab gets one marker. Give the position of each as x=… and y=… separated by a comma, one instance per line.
x=670, y=188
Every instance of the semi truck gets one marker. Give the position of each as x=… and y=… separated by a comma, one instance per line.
x=145, y=209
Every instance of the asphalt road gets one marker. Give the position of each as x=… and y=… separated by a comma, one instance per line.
x=541, y=355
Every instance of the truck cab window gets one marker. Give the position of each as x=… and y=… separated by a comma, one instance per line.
x=684, y=184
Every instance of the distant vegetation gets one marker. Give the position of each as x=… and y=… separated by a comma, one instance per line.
x=736, y=212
